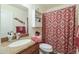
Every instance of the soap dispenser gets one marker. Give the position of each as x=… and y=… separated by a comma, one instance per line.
x=10, y=36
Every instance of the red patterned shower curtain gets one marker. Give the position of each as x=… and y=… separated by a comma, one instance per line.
x=59, y=29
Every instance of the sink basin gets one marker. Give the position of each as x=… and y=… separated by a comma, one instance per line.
x=20, y=43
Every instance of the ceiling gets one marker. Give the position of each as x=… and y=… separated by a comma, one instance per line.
x=19, y=6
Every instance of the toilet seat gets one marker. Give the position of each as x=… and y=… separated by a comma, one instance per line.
x=46, y=47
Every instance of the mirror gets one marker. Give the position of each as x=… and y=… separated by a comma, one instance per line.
x=13, y=16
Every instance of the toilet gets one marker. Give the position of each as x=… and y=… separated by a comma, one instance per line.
x=45, y=48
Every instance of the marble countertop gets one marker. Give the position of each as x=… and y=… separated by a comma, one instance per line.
x=4, y=49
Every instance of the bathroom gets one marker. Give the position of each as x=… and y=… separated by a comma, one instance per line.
x=20, y=22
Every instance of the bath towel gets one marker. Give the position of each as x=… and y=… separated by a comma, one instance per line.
x=37, y=39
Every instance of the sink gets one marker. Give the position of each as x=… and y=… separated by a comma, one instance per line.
x=20, y=43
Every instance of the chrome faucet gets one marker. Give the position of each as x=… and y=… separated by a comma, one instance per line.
x=18, y=36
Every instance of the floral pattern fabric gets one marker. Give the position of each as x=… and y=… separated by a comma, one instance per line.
x=59, y=29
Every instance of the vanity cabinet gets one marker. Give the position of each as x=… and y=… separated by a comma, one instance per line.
x=34, y=49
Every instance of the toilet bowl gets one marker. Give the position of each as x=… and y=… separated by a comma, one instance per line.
x=45, y=48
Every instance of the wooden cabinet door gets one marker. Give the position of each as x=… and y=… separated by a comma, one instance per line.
x=34, y=49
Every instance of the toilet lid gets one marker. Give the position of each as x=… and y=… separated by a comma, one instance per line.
x=46, y=47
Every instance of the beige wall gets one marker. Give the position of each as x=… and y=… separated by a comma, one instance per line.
x=77, y=13
x=45, y=7
x=0, y=18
